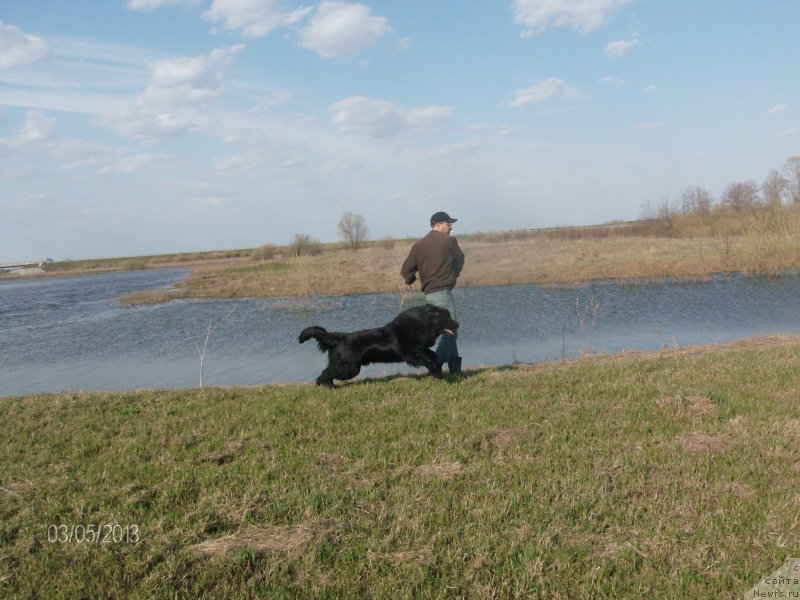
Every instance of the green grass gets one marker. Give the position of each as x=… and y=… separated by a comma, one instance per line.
x=667, y=475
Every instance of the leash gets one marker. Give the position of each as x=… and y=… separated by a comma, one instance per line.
x=406, y=296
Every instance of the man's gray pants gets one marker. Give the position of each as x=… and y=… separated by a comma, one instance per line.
x=447, y=347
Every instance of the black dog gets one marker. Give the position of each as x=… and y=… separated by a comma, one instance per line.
x=407, y=338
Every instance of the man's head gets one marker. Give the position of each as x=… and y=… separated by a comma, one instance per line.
x=442, y=222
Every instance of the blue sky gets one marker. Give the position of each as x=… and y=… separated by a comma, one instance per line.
x=132, y=127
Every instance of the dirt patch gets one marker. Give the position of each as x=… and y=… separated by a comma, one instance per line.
x=288, y=539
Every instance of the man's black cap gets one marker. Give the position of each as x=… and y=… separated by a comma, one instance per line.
x=441, y=217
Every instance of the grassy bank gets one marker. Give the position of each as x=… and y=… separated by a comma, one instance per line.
x=669, y=475
x=489, y=263
x=765, y=242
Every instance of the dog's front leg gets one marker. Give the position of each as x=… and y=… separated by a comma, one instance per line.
x=326, y=378
x=431, y=362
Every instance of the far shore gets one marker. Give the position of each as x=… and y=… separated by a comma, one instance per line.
x=630, y=253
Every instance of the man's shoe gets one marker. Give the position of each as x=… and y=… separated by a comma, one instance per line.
x=454, y=365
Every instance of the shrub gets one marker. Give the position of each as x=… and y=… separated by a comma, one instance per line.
x=264, y=252
x=305, y=245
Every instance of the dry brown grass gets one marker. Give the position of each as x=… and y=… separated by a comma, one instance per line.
x=440, y=470
x=288, y=539
x=701, y=443
x=504, y=438
x=488, y=263
x=694, y=406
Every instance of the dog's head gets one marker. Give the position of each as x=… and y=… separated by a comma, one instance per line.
x=440, y=321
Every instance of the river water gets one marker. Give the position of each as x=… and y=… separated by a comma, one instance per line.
x=69, y=334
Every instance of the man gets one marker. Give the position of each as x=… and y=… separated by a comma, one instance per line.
x=438, y=260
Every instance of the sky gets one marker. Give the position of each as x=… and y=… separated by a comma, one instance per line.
x=138, y=127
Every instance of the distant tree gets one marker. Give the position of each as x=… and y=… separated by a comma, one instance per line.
x=741, y=196
x=353, y=230
x=791, y=170
x=775, y=189
x=696, y=200
x=661, y=215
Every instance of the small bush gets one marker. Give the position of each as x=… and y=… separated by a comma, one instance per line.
x=264, y=252
x=305, y=245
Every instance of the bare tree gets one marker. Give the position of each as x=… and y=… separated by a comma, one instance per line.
x=741, y=196
x=353, y=230
x=696, y=200
x=661, y=215
x=775, y=189
x=791, y=170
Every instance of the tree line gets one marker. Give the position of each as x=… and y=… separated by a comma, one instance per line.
x=667, y=217
x=779, y=188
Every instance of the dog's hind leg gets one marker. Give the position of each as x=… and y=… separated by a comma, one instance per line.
x=342, y=372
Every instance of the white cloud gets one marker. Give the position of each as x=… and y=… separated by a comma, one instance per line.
x=36, y=128
x=175, y=84
x=791, y=132
x=338, y=29
x=149, y=5
x=457, y=150
x=538, y=93
x=507, y=131
x=24, y=173
x=380, y=119
x=612, y=82
x=36, y=139
x=778, y=108
x=429, y=114
x=254, y=18
x=375, y=118
x=131, y=164
x=18, y=48
x=619, y=48
x=581, y=15
x=403, y=45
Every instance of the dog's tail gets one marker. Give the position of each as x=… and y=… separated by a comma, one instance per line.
x=325, y=339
